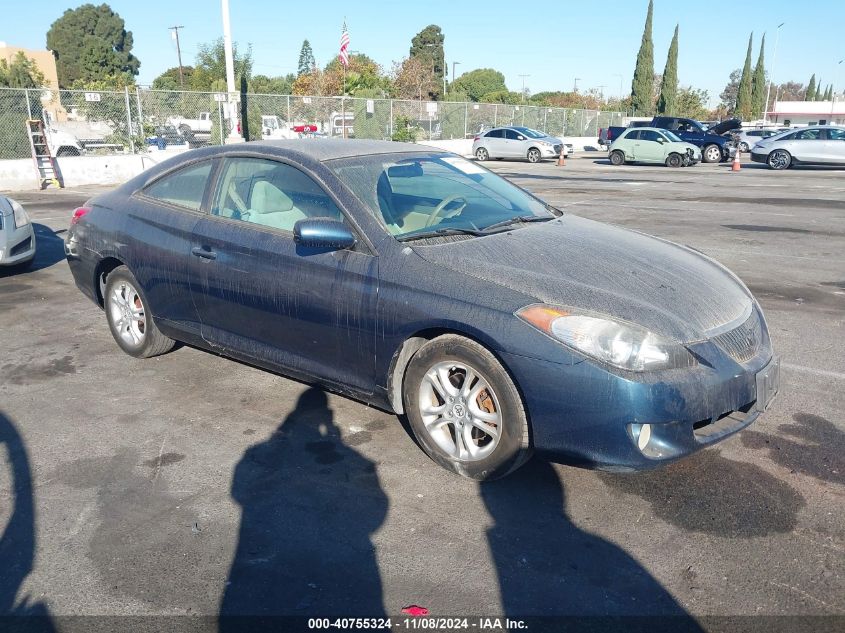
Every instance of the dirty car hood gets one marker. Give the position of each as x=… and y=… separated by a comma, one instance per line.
x=572, y=261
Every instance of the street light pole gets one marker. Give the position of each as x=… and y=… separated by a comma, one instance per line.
x=175, y=30
x=523, y=86
x=453, y=70
x=772, y=75
x=234, y=134
x=575, y=88
x=833, y=97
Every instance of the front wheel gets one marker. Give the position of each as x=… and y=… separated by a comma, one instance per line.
x=129, y=318
x=482, y=154
x=779, y=159
x=743, y=147
x=711, y=154
x=617, y=158
x=674, y=160
x=534, y=155
x=465, y=410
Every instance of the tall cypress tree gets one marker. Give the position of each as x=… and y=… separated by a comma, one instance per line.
x=758, y=83
x=819, y=92
x=642, y=87
x=828, y=95
x=743, y=96
x=810, y=95
x=667, y=102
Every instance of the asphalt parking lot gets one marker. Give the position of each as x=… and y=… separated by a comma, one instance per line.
x=135, y=487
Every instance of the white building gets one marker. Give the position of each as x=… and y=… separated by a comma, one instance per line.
x=808, y=113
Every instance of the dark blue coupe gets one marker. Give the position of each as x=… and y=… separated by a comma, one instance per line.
x=424, y=284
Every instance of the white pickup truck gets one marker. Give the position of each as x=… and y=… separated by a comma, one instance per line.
x=202, y=125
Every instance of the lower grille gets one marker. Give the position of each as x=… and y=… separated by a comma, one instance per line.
x=22, y=247
x=743, y=342
x=557, y=149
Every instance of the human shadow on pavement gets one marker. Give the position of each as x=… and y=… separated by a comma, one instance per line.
x=17, y=541
x=310, y=505
x=548, y=567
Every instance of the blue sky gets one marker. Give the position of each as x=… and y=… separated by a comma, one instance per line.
x=552, y=41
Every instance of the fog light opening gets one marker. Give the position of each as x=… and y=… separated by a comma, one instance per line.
x=642, y=435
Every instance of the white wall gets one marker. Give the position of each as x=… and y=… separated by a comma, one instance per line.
x=76, y=171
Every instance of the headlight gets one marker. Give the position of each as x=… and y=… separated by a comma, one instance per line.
x=618, y=343
x=21, y=218
x=544, y=143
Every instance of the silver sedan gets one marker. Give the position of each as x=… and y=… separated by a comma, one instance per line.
x=817, y=145
x=518, y=142
x=17, y=239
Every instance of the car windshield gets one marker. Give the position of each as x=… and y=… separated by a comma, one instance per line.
x=672, y=136
x=425, y=195
x=529, y=132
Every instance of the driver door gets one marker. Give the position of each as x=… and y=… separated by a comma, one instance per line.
x=649, y=147
x=513, y=144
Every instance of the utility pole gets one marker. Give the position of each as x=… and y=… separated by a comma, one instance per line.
x=453, y=70
x=234, y=134
x=601, y=92
x=772, y=74
x=575, y=88
x=523, y=86
x=175, y=30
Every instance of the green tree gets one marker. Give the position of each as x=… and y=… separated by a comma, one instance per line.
x=89, y=43
x=819, y=94
x=758, y=83
x=667, y=102
x=828, y=94
x=22, y=72
x=731, y=91
x=810, y=95
x=502, y=96
x=264, y=85
x=210, y=65
x=307, y=63
x=743, y=97
x=427, y=47
x=169, y=79
x=692, y=103
x=642, y=86
x=479, y=82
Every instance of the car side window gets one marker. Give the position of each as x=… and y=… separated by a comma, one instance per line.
x=836, y=135
x=494, y=134
x=633, y=135
x=808, y=135
x=649, y=135
x=185, y=188
x=511, y=135
x=269, y=193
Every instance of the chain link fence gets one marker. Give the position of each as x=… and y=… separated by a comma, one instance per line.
x=138, y=120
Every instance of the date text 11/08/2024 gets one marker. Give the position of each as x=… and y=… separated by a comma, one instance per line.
x=418, y=623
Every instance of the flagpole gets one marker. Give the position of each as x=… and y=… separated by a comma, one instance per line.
x=343, y=101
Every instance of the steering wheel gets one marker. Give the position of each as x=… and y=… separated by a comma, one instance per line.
x=445, y=203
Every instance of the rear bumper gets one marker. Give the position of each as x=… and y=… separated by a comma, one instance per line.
x=583, y=414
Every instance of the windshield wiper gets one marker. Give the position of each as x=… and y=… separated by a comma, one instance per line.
x=439, y=232
x=520, y=219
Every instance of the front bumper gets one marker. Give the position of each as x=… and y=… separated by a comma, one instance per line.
x=584, y=414
x=759, y=158
x=17, y=245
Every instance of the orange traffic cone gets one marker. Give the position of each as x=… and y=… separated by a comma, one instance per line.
x=736, y=166
x=561, y=160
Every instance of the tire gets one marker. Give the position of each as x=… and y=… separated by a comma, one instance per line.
x=743, y=147
x=123, y=299
x=482, y=154
x=534, y=155
x=674, y=160
x=617, y=158
x=711, y=154
x=67, y=151
x=779, y=159
x=451, y=358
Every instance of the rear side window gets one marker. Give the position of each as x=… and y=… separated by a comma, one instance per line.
x=185, y=188
x=495, y=134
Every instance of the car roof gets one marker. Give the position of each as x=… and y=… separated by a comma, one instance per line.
x=329, y=148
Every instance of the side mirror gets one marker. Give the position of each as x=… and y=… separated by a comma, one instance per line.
x=661, y=140
x=520, y=138
x=323, y=233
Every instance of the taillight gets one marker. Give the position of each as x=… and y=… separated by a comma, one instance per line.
x=78, y=214
x=475, y=139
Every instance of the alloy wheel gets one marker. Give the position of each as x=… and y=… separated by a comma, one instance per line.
x=460, y=411
x=127, y=314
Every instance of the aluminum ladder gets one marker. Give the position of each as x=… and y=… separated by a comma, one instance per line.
x=45, y=163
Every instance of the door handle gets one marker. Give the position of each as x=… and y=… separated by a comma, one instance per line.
x=203, y=252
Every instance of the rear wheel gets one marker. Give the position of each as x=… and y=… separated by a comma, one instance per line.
x=674, y=160
x=779, y=159
x=617, y=157
x=534, y=155
x=482, y=154
x=711, y=154
x=129, y=318
x=465, y=410
x=743, y=147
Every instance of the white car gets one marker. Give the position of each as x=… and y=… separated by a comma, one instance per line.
x=746, y=138
x=518, y=142
x=817, y=145
x=17, y=239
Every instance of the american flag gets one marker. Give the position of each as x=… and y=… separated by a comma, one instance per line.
x=344, y=46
